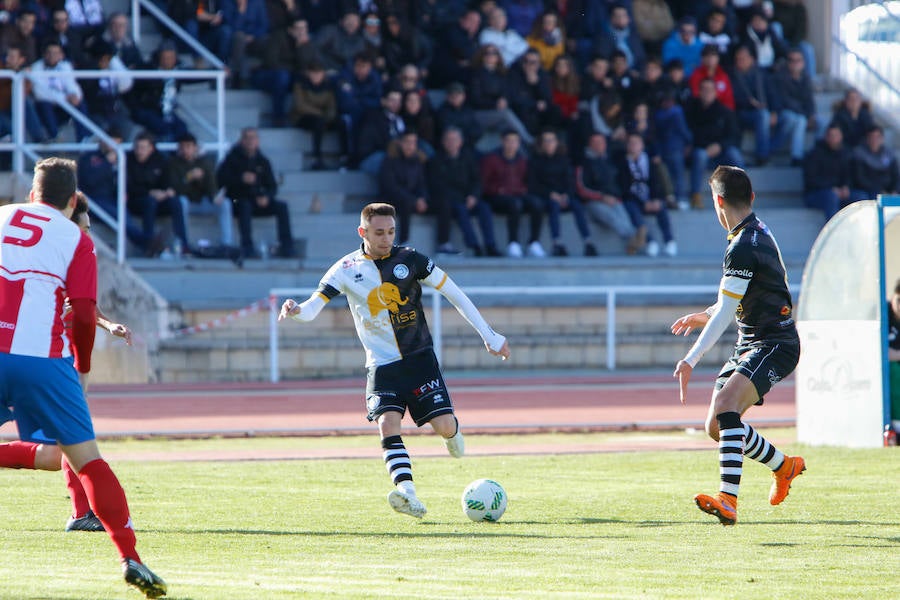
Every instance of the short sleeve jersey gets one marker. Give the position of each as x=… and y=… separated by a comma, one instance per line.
x=44, y=258
x=765, y=313
x=385, y=298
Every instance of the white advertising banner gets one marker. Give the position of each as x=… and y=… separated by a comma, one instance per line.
x=839, y=384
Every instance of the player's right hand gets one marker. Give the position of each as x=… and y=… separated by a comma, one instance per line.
x=503, y=352
x=290, y=308
x=688, y=323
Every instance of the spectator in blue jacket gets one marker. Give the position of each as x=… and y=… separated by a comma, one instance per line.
x=619, y=34
x=358, y=91
x=756, y=101
x=249, y=26
x=521, y=14
x=673, y=138
x=684, y=45
x=798, y=106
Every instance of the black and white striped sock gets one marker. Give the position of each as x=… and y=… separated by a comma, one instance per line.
x=760, y=449
x=396, y=459
x=731, y=452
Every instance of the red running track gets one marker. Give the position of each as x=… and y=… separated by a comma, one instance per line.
x=522, y=403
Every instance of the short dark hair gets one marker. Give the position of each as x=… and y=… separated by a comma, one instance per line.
x=375, y=209
x=897, y=287
x=55, y=181
x=81, y=206
x=146, y=136
x=187, y=136
x=733, y=185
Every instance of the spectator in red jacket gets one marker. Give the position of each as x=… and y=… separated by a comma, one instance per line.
x=503, y=180
x=710, y=68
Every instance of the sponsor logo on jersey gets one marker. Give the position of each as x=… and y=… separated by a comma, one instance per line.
x=742, y=273
x=6, y=325
x=404, y=319
x=438, y=398
x=385, y=297
x=430, y=266
x=401, y=271
x=785, y=310
x=773, y=376
x=348, y=263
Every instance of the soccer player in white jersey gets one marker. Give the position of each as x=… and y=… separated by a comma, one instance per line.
x=754, y=289
x=382, y=283
x=45, y=258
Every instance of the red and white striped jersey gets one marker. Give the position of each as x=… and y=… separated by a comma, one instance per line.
x=44, y=258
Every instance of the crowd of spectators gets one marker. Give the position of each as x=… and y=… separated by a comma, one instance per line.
x=611, y=110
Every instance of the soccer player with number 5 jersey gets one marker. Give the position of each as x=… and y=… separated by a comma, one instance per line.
x=45, y=258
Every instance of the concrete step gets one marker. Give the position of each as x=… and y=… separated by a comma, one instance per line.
x=351, y=183
x=206, y=99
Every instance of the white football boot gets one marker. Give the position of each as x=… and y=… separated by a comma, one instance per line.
x=406, y=503
x=456, y=445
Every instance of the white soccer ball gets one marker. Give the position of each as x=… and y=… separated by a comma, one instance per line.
x=484, y=500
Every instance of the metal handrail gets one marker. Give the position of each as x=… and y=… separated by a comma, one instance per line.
x=610, y=292
x=184, y=36
x=20, y=146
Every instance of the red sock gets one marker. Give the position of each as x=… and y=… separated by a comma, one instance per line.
x=18, y=455
x=108, y=501
x=80, y=504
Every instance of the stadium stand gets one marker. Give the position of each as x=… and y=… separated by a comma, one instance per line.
x=324, y=206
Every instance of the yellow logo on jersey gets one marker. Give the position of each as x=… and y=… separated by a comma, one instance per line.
x=385, y=296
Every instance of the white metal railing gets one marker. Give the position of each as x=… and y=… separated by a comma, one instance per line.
x=866, y=41
x=20, y=147
x=609, y=292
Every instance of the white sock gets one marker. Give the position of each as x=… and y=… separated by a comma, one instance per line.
x=407, y=487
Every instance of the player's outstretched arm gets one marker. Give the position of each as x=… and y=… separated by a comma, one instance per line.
x=495, y=343
x=303, y=312
x=117, y=329
x=688, y=323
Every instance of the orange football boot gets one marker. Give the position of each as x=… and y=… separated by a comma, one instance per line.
x=789, y=470
x=722, y=506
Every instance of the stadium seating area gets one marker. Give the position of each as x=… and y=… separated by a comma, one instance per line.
x=324, y=204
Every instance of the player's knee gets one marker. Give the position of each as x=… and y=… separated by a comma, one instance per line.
x=47, y=458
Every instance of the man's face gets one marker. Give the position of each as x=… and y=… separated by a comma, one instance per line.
x=635, y=145
x=142, y=150
x=187, y=150
x=316, y=77
x=471, y=22
x=52, y=55
x=14, y=59
x=687, y=33
x=619, y=18
x=510, y=144
x=392, y=102
x=456, y=99
x=452, y=142
x=597, y=144
x=874, y=140
x=378, y=235
x=60, y=21
x=549, y=143
x=250, y=141
x=25, y=24
x=796, y=64
x=743, y=60
x=710, y=60
x=715, y=23
x=707, y=93
x=362, y=69
x=168, y=59
x=350, y=23
x=300, y=31
x=118, y=28
x=409, y=145
x=497, y=20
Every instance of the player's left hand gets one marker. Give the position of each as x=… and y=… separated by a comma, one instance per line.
x=683, y=373
x=688, y=323
x=122, y=331
x=503, y=352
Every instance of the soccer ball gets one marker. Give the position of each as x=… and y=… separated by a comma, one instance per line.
x=484, y=500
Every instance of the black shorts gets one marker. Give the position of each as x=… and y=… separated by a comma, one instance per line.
x=414, y=383
x=764, y=365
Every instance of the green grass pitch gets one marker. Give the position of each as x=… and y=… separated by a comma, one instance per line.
x=611, y=525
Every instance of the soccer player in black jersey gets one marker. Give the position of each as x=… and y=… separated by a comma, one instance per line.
x=382, y=283
x=754, y=288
